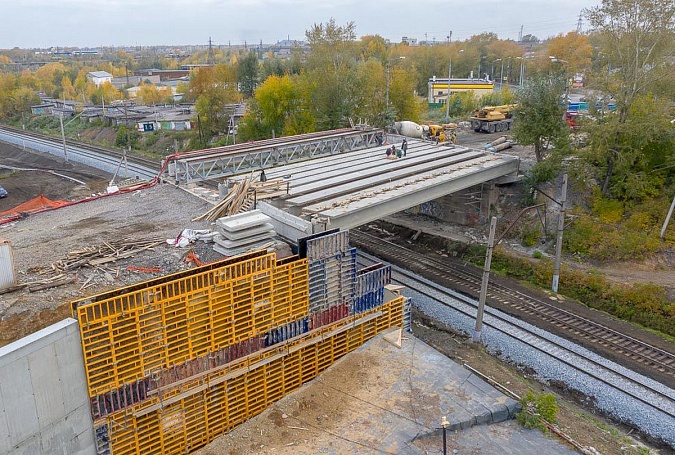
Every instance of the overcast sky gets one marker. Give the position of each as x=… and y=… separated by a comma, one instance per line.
x=93, y=23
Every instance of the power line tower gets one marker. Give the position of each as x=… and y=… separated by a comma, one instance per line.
x=211, y=59
x=579, y=23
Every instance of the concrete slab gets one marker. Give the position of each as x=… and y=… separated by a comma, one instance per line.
x=385, y=399
x=237, y=235
x=241, y=221
x=244, y=242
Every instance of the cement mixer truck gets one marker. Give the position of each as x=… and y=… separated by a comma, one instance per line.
x=437, y=133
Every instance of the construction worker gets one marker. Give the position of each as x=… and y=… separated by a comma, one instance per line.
x=263, y=177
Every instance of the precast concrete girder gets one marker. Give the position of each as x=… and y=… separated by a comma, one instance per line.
x=382, y=201
x=194, y=168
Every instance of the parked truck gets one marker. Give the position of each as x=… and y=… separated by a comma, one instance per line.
x=493, y=119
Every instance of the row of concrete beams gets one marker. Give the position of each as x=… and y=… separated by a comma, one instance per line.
x=357, y=187
x=256, y=156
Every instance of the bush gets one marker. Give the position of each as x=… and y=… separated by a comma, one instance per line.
x=537, y=410
x=644, y=304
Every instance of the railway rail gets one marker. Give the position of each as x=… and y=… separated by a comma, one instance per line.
x=106, y=159
x=652, y=358
x=656, y=402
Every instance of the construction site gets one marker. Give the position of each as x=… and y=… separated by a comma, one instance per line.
x=164, y=319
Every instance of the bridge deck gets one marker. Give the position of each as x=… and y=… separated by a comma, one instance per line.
x=356, y=187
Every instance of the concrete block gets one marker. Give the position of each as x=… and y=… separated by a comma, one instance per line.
x=5, y=443
x=31, y=446
x=479, y=384
x=17, y=394
x=241, y=221
x=44, y=407
x=63, y=438
x=262, y=229
x=71, y=369
x=267, y=236
x=48, y=399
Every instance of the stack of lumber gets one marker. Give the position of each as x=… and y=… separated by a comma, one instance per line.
x=237, y=198
x=99, y=258
x=242, y=195
x=105, y=253
x=243, y=232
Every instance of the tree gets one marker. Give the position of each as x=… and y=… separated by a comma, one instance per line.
x=150, y=95
x=212, y=89
x=247, y=73
x=573, y=48
x=539, y=115
x=647, y=140
x=278, y=99
x=637, y=38
x=106, y=92
x=330, y=76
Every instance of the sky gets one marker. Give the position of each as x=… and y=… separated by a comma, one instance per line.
x=96, y=23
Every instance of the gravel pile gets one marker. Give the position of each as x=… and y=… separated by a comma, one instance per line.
x=550, y=367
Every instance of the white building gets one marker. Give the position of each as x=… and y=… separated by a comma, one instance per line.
x=99, y=77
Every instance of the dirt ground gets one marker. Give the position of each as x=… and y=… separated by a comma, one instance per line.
x=23, y=185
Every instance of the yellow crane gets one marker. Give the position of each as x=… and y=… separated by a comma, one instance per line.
x=493, y=119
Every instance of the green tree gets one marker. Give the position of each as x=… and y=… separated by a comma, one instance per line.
x=402, y=96
x=213, y=88
x=539, y=115
x=247, y=73
x=331, y=76
x=646, y=141
x=636, y=39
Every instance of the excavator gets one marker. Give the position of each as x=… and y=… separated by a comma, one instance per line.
x=493, y=119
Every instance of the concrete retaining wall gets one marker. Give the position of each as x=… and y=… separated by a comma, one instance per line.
x=44, y=405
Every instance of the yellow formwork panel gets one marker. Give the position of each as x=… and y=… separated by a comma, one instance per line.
x=197, y=412
x=128, y=335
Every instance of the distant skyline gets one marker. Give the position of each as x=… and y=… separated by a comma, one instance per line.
x=96, y=23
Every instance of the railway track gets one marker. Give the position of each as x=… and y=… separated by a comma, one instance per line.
x=604, y=338
x=106, y=159
x=651, y=399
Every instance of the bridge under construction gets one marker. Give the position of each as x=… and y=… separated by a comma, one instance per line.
x=169, y=364
x=344, y=179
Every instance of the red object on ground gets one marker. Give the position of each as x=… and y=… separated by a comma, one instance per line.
x=192, y=257
x=134, y=268
x=35, y=205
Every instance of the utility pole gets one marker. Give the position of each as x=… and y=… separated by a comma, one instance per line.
x=484, y=284
x=386, y=95
x=558, y=243
x=63, y=136
x=667, y=220
x=447, y=102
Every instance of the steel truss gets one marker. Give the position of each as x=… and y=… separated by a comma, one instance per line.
x=232, y=161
